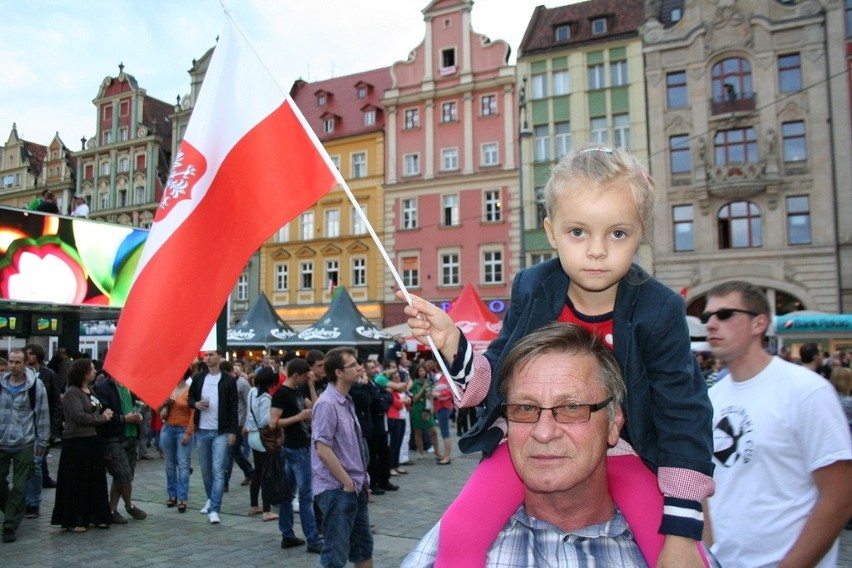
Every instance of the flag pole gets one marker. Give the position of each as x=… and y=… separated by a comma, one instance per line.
x=339, y=178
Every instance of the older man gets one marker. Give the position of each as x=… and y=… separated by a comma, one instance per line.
x=563, y=393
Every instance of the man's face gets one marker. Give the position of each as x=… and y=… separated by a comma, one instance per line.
x=212, y=359
x=557, y=458
x=351, y=370
x=16, y=364
x=318, y=369
x=731, y=339
x=31, y=358
x=370, y=367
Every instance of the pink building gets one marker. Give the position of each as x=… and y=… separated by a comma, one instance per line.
x=451, y=178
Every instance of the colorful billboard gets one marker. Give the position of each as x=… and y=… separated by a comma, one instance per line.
x=49, y=259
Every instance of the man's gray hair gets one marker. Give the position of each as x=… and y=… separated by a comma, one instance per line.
x=567, y=339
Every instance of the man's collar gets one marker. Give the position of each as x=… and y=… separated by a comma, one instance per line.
x=614, y=527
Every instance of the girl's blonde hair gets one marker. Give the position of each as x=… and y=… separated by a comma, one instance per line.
x=602, y=165
x=841, y=378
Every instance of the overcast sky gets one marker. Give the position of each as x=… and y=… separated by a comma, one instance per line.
x=55, y=53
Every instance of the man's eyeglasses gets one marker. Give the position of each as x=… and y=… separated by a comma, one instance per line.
x=352, y=365
x=725, y=314
x=571, y=413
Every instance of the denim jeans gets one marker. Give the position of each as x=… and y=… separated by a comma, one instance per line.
x=33, y=494
x=345, y=527
x=178, y=462
x=297, y=466
x=213, y=455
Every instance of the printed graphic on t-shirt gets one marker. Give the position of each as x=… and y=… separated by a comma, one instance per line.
x=732, y=440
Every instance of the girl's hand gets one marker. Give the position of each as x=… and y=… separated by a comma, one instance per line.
x=679, y=551
x=428, y=320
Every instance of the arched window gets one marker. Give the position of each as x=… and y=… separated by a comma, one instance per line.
x=740, y=225
x=732, y=79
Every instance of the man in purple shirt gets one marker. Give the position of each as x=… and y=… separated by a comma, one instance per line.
x=339, y=464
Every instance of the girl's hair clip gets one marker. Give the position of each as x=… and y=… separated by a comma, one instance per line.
x=606, y=149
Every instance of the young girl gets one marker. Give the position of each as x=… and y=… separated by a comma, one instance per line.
x=599, y=204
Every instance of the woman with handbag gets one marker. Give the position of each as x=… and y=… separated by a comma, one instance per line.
x=176, y=442
x=259, y=402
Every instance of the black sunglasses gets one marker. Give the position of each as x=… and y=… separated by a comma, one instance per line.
x=724, y=314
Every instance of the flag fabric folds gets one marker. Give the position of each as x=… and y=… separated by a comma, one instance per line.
x=248, y=164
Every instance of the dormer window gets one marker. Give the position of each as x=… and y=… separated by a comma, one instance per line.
x=562, y=33
x=369, y=116
x=362, y=89
x=362, y=92
x=322, y=97
x=321, y=100
x=598, y=26
x=328, y=125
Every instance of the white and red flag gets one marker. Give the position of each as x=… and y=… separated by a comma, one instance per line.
x=249, y=163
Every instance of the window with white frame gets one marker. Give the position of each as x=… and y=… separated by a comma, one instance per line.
x=283, y=234
x=336, y=161
x=359, y=272
x=489, y=105
x=409, y=213
x=563, y=138
x=598, y=26
x=600, y=132
x=362, y=92
x=307, y=225
x=282, y=277
x=621, y=129
x=358, y=225
x=321, y=100
x=107, y=137
x=449, y=159
x=492, y=266
x=795, y=146
x=450, y=269
x=369, y=117
x=104, y=200
x=561, y=84
x=332, y=273
x=617, y=73
x=359, y=165
x=332, y=223
x=410, y=271
x=122, y=198
x=124, y=164
x=412, y=118
x=539, y=257
x=493, y=206
x=105, y=167
x=450, y=203
x=139, y=198
x=541, y=151
x=411, y=164
x=122, y=134
x=328, y=125
x=306, y=275
x=449, y=111
x=562, y=33
x=539, y=86
x=242, y=287
x=597, y=77
x=490, y=154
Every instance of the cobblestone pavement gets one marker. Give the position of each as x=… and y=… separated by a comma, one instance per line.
x=167, y=538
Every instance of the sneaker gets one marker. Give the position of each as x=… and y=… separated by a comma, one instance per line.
x=377, y=491
x=10, y=536
x=214, y=518
x=136, y=513
x=389, y=486
x=287, y=542
x=32, y=512
x=118, y=519
x=206, y=508
x=315, y=547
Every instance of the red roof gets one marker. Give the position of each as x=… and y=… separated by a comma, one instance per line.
x=623, y=19
x=342, y=102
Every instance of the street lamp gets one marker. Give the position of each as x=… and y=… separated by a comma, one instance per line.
x=523, y=132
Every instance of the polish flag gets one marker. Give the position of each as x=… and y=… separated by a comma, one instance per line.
x=249, y=163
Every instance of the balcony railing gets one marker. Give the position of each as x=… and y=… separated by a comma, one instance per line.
x=732, y=102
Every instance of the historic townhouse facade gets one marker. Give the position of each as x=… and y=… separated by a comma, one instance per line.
x=451, y=193
x=123, y=167
x=329, y=244
x=743, y=149
x=580, y=68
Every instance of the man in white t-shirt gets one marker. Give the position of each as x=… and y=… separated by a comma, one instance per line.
x=79, y=207
x=781, y=446
x=213, y=395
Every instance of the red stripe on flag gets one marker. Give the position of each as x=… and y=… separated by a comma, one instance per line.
x=271, y=175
